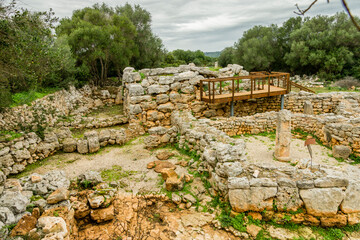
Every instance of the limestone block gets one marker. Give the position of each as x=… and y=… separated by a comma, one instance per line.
x=308, y=108
x=14, y=200
x=82, y=146
x=104, y=135
x=228, y=169
x=53, y=225
x=135, y=109
x=351, y=203
x=162, y=98
x=238, y=183
x=283, y=136
x=167, y=107
x=69, y=145
x=93, y=144
x=341, y=151
x=135, y=90
x=322, y=201
x=328, y=182
x=157, y=89
x=154, y=115
x=253, y=199
x=166, y=80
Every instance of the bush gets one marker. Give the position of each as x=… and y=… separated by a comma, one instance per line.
x=347, y=83
x=5, y=97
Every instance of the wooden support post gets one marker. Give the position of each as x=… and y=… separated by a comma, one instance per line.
x=232, y=109
x=213, y=92
x=233, y=90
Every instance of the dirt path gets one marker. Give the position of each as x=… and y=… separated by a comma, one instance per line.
x=260, y=149
x=132, y=158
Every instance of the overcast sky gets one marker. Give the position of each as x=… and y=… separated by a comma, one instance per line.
x=208, y=25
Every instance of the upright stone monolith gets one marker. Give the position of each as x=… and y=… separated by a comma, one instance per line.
x=308, y=108
x=283, y=136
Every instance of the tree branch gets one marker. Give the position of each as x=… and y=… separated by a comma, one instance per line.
x=344, y=3
x=350, y=15
x=302, y=12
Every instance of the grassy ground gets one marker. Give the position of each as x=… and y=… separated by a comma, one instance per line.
x=30, y=96
x=107, y=111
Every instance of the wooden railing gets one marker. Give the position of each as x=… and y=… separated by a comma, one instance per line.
x=260, y=83
x=296, y=85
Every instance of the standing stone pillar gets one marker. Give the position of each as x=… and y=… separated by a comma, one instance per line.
x=283, y=136
x=308, y=108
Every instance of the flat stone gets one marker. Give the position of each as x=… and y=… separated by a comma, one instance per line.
x=238, y=183
x=262, y=182
x=58, y=195
x=164, y=155
x=329, y=182
x=160, y=165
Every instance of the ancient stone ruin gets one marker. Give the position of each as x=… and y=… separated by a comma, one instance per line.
x=164, y=104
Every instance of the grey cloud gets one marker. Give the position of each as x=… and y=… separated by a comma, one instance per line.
x=209, y=25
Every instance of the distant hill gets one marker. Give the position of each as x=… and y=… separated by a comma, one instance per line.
x=212, y=54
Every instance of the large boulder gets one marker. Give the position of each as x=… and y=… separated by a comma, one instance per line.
x=253, y=199
x=322, y=202
x=14, y=200
x=69, y=145
x=341, y=151
x=351, y=203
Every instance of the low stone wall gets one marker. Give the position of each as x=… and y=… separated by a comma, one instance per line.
x=150, y=96
x=325, y=197
x=329, y=128
x=54, y=109
x=15, y=155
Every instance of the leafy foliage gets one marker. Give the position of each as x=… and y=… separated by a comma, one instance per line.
x=179, y=56
x=323, y=45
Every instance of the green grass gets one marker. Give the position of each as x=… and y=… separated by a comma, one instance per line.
x=30, y=96
x=111, y=110
x=9, y=135
x=214, y=69
x=331, y=89
x=271, y=135
x=115, y=173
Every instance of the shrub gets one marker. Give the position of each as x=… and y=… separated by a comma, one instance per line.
x=347, y=83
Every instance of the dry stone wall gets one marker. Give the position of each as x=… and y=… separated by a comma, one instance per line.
x=327, y=196
x=62, y=108
x=15, y=155
x=331, y=129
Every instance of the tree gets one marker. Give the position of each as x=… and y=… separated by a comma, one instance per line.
x=325, y=45
x=226, y=56
x=344, y=3
x=100, y=39
x=29, y=58
x=149, y=48
x=257, y=49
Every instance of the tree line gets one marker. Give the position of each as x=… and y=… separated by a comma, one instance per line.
x=92, y=46
x=325, y=45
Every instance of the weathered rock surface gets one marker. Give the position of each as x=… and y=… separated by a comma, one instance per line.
x=322, y=202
